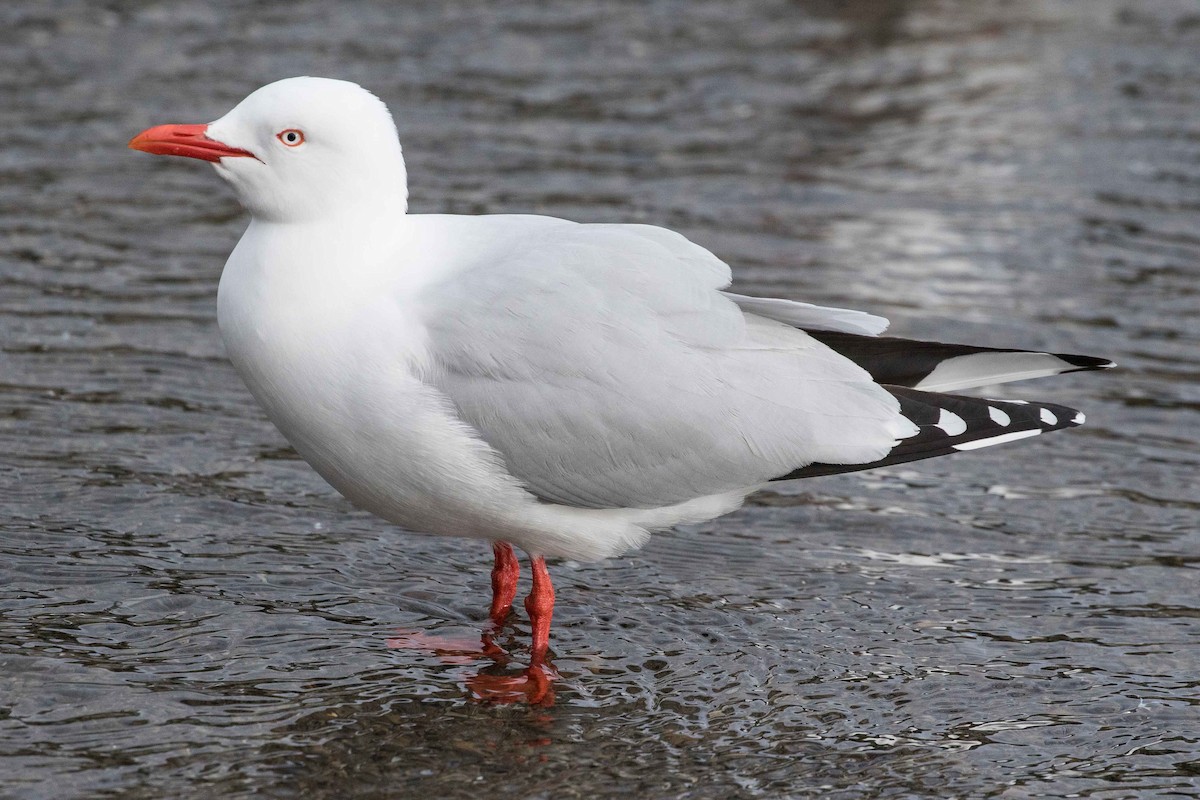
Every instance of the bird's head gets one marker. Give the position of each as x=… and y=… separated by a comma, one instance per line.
x=298, y=149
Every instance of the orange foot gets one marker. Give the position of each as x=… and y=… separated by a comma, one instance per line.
x=533, y=686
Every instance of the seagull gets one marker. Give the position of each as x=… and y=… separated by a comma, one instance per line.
x=557, y=387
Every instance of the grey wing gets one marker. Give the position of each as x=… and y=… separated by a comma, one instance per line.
x=605, y=366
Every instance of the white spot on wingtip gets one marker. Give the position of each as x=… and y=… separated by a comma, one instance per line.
x=1048, y=416
x=951, y=423
x=1079, y=418
x=999, y=417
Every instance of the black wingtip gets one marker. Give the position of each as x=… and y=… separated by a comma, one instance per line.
x=909, y=362
x=1085, y=362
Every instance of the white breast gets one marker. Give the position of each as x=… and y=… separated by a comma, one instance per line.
x=331, y=358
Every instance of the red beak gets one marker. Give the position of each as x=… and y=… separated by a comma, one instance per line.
x=184, y=140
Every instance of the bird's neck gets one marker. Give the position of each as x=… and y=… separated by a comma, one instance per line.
x=335, y=258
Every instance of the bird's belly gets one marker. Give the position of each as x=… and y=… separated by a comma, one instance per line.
x=336, y=422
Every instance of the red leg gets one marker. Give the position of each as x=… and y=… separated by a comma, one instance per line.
x=540, y=607
x=504, y=582
x=535, y=684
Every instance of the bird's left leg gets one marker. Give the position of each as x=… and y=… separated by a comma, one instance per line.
x=504, y=582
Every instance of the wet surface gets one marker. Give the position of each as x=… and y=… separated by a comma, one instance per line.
x=186, y=610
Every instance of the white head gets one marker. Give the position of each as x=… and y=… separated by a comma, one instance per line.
x=298, y=149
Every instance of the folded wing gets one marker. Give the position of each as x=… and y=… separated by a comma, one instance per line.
x=605, y=366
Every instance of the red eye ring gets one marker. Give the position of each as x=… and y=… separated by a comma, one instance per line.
x=291, y=137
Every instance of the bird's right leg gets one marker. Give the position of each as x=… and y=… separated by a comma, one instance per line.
x=540, y=605
x=504, y=582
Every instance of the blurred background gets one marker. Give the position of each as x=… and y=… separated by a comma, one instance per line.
x=186, y=610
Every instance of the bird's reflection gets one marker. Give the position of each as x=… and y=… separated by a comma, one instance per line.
x=499, y=679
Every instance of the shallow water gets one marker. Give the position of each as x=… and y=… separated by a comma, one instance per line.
x=187, y=610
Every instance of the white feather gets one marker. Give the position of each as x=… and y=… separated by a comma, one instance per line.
x=810, y=317
x=986, y=369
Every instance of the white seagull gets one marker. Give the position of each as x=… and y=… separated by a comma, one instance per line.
x=565, y=388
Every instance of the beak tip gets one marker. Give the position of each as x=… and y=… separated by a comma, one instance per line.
x=145, y=140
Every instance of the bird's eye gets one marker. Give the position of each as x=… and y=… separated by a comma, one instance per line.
x=291, y=137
